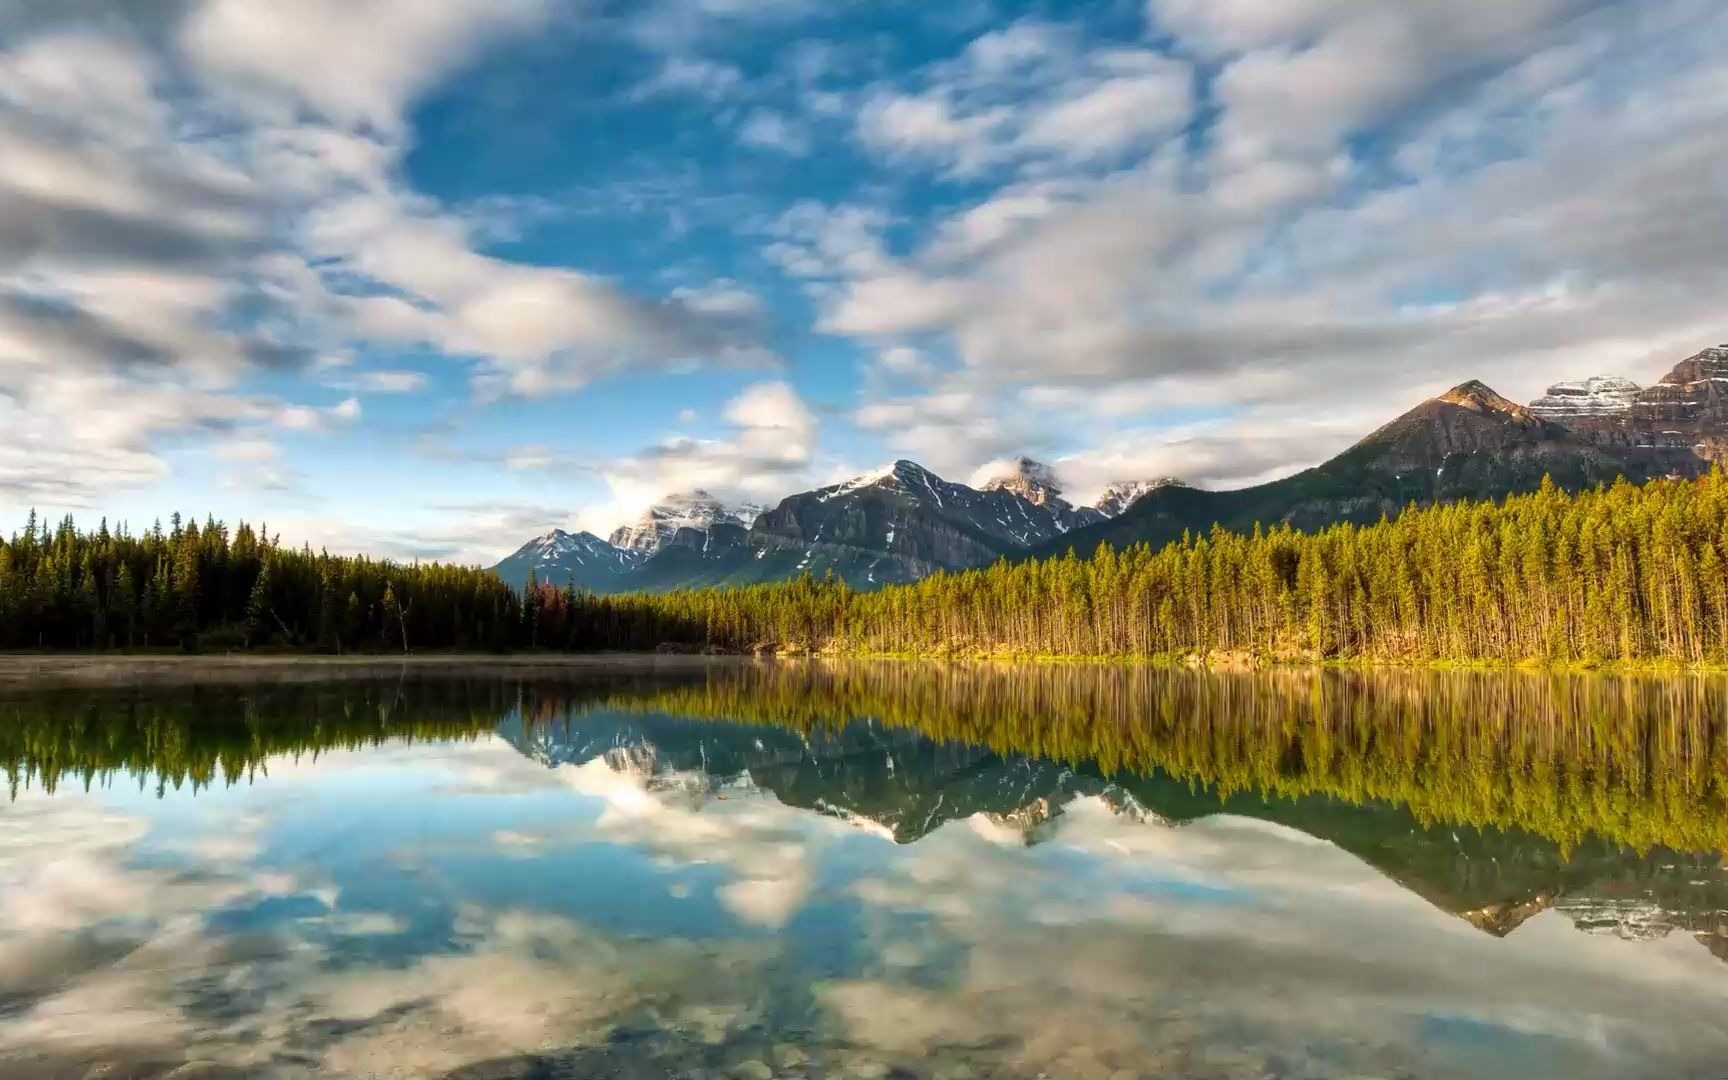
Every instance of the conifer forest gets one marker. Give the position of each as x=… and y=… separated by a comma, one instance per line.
x=1627, y=573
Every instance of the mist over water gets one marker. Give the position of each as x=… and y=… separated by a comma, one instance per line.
x=865, y=869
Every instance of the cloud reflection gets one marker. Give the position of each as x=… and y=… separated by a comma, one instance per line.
x=414, y=910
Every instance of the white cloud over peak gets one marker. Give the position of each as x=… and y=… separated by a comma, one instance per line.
x=1164, y=244
x=1387, y=200
x=768, y=449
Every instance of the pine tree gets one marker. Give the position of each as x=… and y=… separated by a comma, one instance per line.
x=258, y=608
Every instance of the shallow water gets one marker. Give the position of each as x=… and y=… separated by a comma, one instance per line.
x=867, y=870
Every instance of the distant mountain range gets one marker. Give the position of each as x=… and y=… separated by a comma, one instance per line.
x=1468, y=443
x=903, y=523
x=898, y=524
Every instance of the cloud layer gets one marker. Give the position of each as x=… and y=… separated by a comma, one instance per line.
x=1214, y=239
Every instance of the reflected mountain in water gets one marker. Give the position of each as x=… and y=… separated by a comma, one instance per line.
x=1493, y=797
x=897, y=782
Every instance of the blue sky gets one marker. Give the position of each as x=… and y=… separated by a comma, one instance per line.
x=426, y=277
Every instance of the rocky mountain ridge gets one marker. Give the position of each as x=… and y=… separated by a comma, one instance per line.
x=1467, y=443
x=899, y=523
x=1681, y=417
x=902, y=523
x=583, y=558
x=1123, y=494
x=661, y=523
x=1566, y=403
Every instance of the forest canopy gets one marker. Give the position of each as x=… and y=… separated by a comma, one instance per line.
x=1623, y=573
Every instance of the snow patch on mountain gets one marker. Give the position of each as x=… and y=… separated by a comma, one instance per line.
x=1032, y=480
x=559, y=549
x=1119, y=496
x=906, y=476
x=696, y=510
x=1597, y=396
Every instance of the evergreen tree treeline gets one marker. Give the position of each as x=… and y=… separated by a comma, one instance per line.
x=1624, y=573
x=194, y=587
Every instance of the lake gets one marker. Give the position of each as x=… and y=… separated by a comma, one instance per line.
x=874, y=870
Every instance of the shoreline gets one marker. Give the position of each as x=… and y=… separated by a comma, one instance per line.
x=51, y=669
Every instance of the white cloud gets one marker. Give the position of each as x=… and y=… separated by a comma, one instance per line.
x=977, y=229
x=199, y=192
x=307, y=418
x=951, y=424
x=770, y=130
x=905, y=362
x=898, y=303
x=1143, y=98
x=1220, y=26
x=1389, y=201
x=535, y=329
x=390, y=382
x=770, y=450
x=356, y=62
x=251, y=450
x=474, y=534
x=1032, y=94
x=815, y=240
x=709, y=80
x=928, y=125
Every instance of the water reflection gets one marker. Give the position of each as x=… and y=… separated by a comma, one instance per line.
x=868, y=870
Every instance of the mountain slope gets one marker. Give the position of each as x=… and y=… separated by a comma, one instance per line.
x=907, y=522
x=696, y=511
x=560, y=557
x=1468, y=443
x=898, y=524
x=1681, y=418
x=1036, y=483
x=1118, y=497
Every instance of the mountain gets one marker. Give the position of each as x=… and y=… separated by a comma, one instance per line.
x=1681, y=419
x=906, y=522
x=1031, y=480
x=560, y=557
x=900, y=523
x=1468, y=443
x=902, y=785
x=1573, y=404
x=697, y=512
x=1118, y=497
x=903, y=522
x=1036, y=483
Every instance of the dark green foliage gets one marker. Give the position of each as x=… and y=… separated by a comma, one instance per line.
x=198, y=587
x=1638, y=761
x=1622, y=573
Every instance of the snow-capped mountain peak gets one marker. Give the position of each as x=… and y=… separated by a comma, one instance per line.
x=903, y=475
x=696, y=510
x=1119, y=496
x=1032, y=480
x=559, y=546
x=558, y=557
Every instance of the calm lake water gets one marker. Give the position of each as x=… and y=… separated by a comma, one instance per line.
x=867, y=870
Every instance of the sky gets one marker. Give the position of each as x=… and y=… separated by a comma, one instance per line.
x=425, y=278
